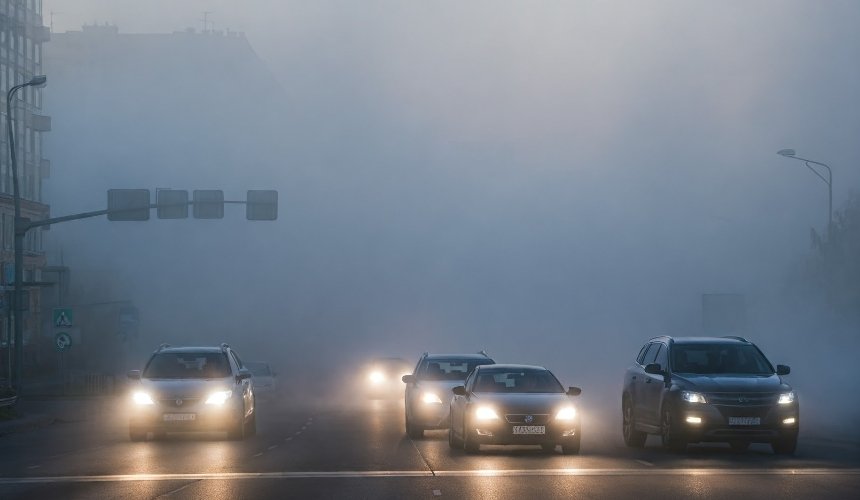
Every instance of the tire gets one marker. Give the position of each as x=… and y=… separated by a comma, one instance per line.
x=136, y=434
x=632, y=437
x=454, y=442
x=412, y=430
x=784, y=446
x=669, y=435
x=548, y=447
x=739, y=446
x=251, y=425
x=572, y=448
x=470, y=444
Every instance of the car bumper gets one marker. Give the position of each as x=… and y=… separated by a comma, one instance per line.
x=198, y=418
x=503, y=433
x=711, y=423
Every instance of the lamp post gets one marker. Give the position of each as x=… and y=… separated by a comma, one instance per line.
x=36, y=81
x=789, y=153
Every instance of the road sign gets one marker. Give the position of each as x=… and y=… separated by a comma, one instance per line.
x=261, y=205
x=172, y=203
x=63, y=317
x=128, y=204
x=62, y=341
x=208, y=204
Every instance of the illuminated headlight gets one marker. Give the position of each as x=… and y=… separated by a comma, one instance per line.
x=786, y=398
x=693, y=397
x=429, y=398
x=142, y=398
x=376, y=377
x=486, y=413
x=566, y=413
x=218, y=397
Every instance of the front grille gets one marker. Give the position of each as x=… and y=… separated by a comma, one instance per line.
x=520, y=418
x=178, y=402
x=742, y=399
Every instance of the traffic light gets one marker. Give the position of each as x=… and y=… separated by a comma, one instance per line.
x=128, y=204
x=208, y=204
x=172, y=203
x=261, y=205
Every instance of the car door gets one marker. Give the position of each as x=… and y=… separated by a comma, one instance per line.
x=639, y=381
x=653, y=387
x=247, y=393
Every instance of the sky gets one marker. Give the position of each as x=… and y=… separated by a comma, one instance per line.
x=533, y=178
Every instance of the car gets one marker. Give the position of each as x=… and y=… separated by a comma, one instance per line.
x=192, y=389
x=383, y=379
x=263, y=377
x=708, y=389
x=427, y=396
x=514, y=404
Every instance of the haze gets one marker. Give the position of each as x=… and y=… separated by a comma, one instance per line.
x=554, y=182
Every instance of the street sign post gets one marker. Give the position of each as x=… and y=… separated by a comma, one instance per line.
x=63, y=317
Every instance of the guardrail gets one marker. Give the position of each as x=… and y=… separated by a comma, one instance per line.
x=10, y=401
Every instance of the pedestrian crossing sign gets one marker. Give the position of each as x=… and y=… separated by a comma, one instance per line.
x=63, y=317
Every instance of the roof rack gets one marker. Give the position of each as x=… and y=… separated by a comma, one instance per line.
x=736, y=337
x=163, y=346
x=484, y=353
x=225, y=346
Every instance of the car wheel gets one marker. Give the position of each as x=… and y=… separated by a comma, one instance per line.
x=784, y=446
x=669, y=434
x=572, y=447
x=454, y=442
x=739, y=445
x=470, y=442
x=412, y=430
x=632, y=437
x=548, y=447
x=136, y=434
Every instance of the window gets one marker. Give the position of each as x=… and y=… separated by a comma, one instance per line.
x=641, y=356
x=651, y=355
x=663, y=357
x=521, y=381
x=449, y=369
x=187, y=365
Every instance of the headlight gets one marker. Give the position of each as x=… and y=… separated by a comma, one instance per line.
x=486, y=413
x=429, y=398
x=693, y=397
x=566, y=413
x=786, y=398
x=142, y=398
x=376, y=377
x=218, y=397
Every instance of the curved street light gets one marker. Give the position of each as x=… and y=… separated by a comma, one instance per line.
x=790, y=153
x=36, y=81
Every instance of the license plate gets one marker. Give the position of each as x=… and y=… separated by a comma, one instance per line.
x=744, y=421
x=529, y=429
x=179, y=417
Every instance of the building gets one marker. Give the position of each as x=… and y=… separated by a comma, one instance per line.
x=22, y=35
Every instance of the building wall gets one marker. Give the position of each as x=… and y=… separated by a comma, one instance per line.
x=22, y=35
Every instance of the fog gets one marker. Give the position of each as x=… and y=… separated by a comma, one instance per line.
x=555, y=182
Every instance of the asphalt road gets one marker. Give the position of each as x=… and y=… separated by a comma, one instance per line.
x=359, y=450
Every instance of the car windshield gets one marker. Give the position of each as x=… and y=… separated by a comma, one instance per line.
x=258, y=369
x=188, y=365
x=522, y=381
x=719, y=358
x=449, y=369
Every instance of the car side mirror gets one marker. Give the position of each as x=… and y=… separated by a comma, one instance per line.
x=574, y=391
x=783, y=369
x=408, y=379
x=133, y=374
x=654, y=369
x=459, y=390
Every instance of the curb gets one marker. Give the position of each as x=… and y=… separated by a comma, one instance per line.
x=24, y=424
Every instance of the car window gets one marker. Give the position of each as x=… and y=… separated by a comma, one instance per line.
x=528, y=381
x=259, y=369
x=187, y=365
x=449, y=369
x=651, y=354
x=641, y=356
x=662, y=358
x=741, y=359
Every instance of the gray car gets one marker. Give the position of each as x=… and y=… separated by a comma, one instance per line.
x=428, y=389
x=192, y=389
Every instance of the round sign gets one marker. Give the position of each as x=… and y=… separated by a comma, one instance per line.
x=63, y=341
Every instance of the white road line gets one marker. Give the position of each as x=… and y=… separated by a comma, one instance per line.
x=424, y=473
x=289, y=438
x=645, y=462
x=34, y=466
x=177, y=490
x=258, y=455
x=272, y=447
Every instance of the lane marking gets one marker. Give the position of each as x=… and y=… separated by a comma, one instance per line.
x=177, y=490
x=272, y=447
x=34, y=466
x=258, y=455
x=645, y=462
x=423, y=473
x=289, y=438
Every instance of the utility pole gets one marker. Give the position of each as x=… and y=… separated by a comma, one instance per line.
x=206, y=22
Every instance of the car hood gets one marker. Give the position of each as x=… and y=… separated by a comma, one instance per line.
x=185, y=388
x=522, y=402
x=732, y=383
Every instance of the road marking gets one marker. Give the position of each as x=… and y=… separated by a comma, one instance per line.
x=34, y=466
x=258, y=455
x=304, y=427
x=645, y=462
x=425, y=473
x=177, y=490
x=272, y=447
x=289, y=438
x=437, y=493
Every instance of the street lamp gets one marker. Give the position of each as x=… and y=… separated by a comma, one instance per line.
x=36, y=81
x=789, y=153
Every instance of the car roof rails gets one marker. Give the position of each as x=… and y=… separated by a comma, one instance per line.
x=736, y=337
x=163, y=346
x=484, y=353
x=225, y=346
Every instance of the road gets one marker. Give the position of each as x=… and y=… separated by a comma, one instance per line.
x=359, y=450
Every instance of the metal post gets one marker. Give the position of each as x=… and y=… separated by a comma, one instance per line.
x=15, y=313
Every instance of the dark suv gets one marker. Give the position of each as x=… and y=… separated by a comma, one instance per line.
x=718, y=389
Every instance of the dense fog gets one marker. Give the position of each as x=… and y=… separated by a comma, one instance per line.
x=554, y=182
